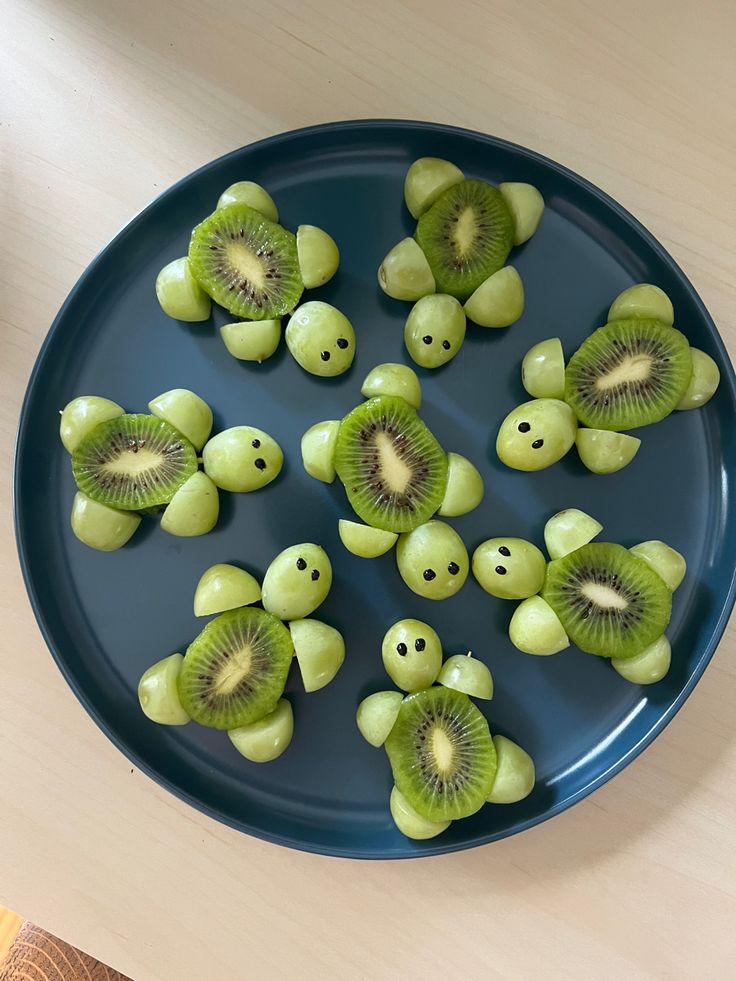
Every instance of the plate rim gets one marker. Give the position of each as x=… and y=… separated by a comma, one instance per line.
x=423, y=850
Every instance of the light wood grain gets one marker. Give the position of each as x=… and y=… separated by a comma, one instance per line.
x=105, y=104
x=10, y=924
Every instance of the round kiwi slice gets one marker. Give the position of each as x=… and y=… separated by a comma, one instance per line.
x=234, y=672
x=393, y=469
x=609, y=602
x=246, y=263
x=466, y=236
x=442, y=755
x=627, y=374
x=133, y=462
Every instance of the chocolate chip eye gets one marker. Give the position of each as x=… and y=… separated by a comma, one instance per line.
x=504, y=550
x=524, y=427
x=315, y=575
x=325, y=355
x=419, y=644
x=342, y=343
x=260, y=463
x=401, y=648
x=446, y=345
x=256, y=444
x=501, y=570
x=537, y=444
x=429, y=574
x=453, y=568
x=301, y=565
x=427, y=338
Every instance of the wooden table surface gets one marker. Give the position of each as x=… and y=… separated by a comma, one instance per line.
x=102, y=105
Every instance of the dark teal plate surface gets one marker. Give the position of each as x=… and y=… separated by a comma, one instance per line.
x=107, y=617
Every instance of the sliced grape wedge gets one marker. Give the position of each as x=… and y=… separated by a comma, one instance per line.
x=535, y=628
x=267, y=738
x=364, y=541
x=158, y=693
x=543, y=370
x=224, y=587
x=376, y=716
x=568, y=530
x=465, y=673
x=515, y=775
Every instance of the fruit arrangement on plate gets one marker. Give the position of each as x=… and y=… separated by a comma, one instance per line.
x=445, y=763
x=234, y=672
x=128, y=465
x=399, y=481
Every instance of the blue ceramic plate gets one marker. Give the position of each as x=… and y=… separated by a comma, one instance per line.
x=106, y=617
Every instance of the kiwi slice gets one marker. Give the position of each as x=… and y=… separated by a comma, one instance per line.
x=610, y=602
x=393, y=469
x=466, y=236
x=627, y=374
x=246, y=263
x=234, y=672
x=442, y=754
x=133, y=462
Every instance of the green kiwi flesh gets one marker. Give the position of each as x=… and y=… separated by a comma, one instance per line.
x=442, y=755
x=610, y=602
x=133, y=462
x=466, y=236
x=629, y=373
x=234, y=672
x=246, y=263
x=393, y=469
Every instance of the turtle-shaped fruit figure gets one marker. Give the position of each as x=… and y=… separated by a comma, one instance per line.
x=233, y=674
x=244, y=260
x=397, y=478
x=453, y=268
x=445, y=763
x=128, y=465
x=606, y=599
x=633, y=371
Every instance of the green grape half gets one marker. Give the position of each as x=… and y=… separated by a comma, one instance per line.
x=252, y=194
x=498, y=301
x=404, y=273
x=569, y=530
x=648, y=667
x=318, y=255
x=376, y=716
x=194, y=508
x=103, y=528
x=267, y=738
x=409, y=822
x=179, y=293
x=536, y=629
x=703, y=382
x=543, y=370
x=465, y=488
x=186, y=412
x=253, y=340
x=465, y=673
x=642, y=300
x=224, y=587
x=319, y=650
x=158, y=692
x=81, y=415
x=515, y=775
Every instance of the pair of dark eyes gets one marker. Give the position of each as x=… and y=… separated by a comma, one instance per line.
x=419, y=644
x=505, y=551
x=342, y=343
x=524, y=427
x=302, y=565
x=429, y=574
x=428, y=340
x=259, y=463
